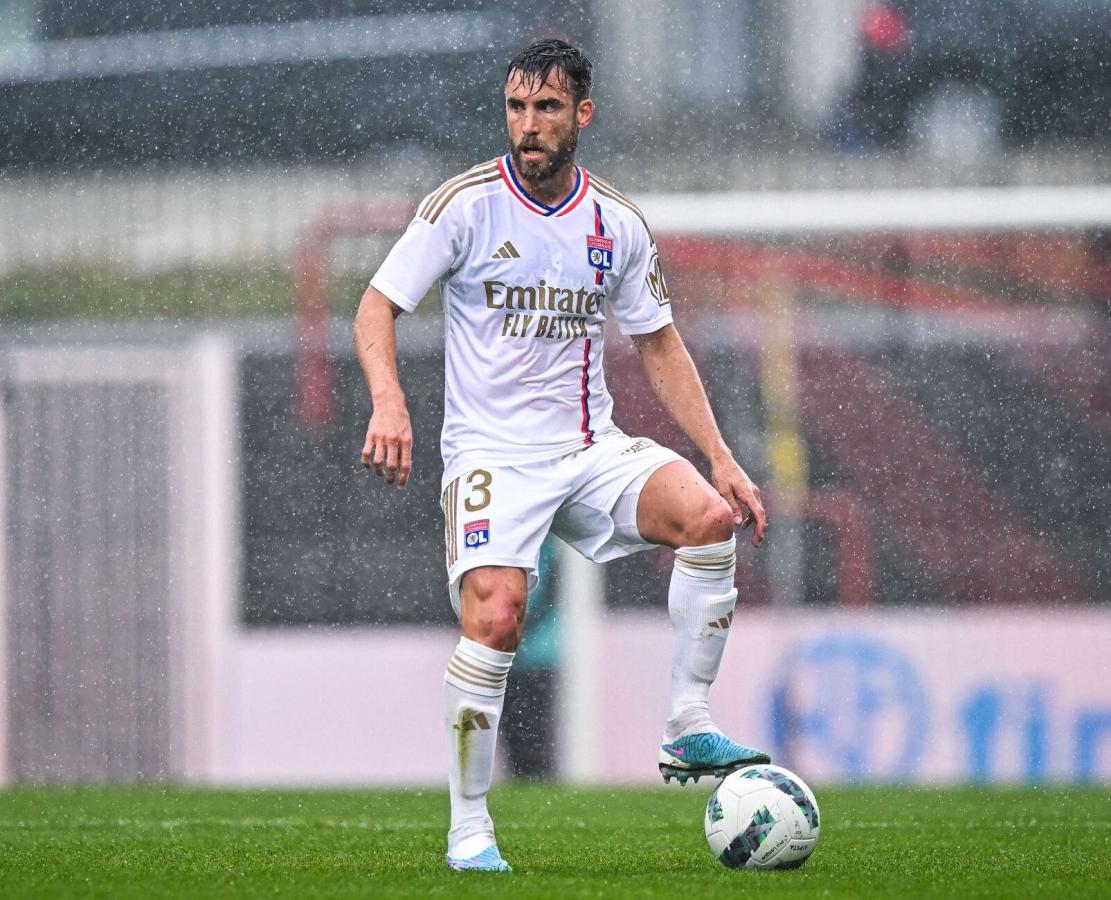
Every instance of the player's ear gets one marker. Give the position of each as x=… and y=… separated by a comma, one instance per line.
x=584, y=115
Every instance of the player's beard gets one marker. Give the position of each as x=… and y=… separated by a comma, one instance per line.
x=545, y=169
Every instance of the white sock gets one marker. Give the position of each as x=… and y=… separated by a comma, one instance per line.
x=700, y=601
x=474, y=693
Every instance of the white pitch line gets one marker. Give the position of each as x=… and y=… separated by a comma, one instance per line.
x=384, y=827
x=248, y=823
x=968, y=826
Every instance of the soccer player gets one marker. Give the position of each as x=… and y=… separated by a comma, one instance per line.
x=532, y=253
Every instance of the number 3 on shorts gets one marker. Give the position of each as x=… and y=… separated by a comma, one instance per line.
x=479, y=481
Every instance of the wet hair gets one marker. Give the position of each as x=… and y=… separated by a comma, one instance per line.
x=540, y=58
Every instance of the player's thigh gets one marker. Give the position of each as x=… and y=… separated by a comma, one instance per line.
x=496, y=518
x=677, y=507
x=485, y=583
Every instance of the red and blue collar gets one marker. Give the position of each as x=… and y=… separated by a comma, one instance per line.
x=582, y=182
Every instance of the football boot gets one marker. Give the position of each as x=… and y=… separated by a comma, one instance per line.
x=489, y=860
x=708, y=753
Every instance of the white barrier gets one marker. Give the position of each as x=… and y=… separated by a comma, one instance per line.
x=336, y=706
x=919, y=696
x=1002, y=695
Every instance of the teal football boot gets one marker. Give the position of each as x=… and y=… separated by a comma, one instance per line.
x=489, y=860
x=708, y=753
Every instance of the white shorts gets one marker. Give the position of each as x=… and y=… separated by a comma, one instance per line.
x=500, y=515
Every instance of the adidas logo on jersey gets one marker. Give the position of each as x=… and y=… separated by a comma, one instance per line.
x=506, y=251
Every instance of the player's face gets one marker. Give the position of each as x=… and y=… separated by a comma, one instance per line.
x=544, y=123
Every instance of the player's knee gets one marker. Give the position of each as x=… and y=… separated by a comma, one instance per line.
x=493, y=609
x=713, y=525
x=504, y=628
x=498, y=623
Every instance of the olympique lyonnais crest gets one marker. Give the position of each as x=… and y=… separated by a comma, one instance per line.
x=476, y=533
x=599, y=252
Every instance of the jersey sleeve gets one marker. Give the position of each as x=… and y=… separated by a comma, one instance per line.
x=421, y=257
x=640, y=302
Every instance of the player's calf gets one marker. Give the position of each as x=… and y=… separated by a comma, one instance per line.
x=474, y=694
x=701, y=602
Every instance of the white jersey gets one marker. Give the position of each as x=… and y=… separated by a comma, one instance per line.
x=526, y=289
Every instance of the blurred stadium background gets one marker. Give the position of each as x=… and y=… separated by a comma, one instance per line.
x=887, y=231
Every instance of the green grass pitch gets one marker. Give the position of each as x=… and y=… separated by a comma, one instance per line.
x=621, y=842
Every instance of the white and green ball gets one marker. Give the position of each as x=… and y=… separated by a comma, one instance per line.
x=762, y=817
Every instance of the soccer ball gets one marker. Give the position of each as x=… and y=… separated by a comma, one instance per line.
x=762, y=817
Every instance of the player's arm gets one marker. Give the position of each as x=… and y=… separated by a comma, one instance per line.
x=677, y=383
x=389, y=436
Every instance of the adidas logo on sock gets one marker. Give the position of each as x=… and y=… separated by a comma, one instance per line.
x=473, y=721
x=723, y=622
x=506, y=251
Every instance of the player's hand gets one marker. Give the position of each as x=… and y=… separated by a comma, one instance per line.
x=743, y=497
x=389, y=442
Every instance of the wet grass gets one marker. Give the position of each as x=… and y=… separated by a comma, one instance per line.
x=155, y=842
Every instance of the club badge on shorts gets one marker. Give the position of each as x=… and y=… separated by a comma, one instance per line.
x=599, y=252
x=476, y=533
